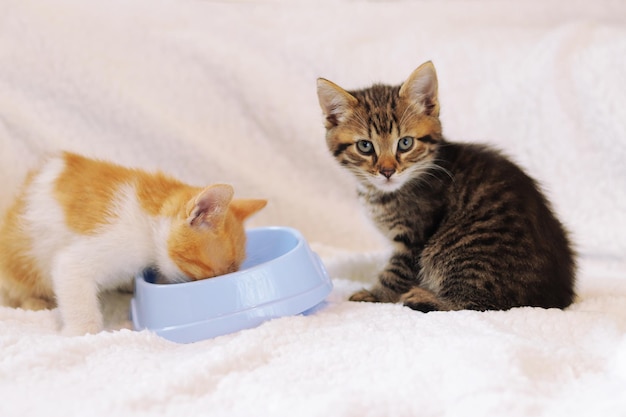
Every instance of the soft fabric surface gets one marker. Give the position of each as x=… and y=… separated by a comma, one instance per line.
x=225, y=92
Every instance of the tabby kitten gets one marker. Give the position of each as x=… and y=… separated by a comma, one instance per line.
x=470, y=229
x=81, y=226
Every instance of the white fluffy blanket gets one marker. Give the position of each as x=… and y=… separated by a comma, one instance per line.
x=225, y=91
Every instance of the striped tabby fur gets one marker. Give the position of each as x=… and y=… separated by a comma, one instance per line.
x=470, y=229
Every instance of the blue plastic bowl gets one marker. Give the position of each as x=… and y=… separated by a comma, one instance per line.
x=281, y=276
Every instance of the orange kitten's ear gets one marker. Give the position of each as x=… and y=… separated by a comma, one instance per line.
x=244, y=208
x=334, y=101
x=209, y=208
x=421, y=88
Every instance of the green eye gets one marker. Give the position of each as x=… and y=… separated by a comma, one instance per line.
x=405, y=143
x=365, y=147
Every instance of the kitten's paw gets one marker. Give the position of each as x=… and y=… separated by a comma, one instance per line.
x=422, y=300
x=81, y=330
x=37, y=304
x=363, y=295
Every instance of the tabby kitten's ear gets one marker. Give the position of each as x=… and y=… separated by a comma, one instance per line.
x=209, y=207
x=336, y=103
x=421, y=89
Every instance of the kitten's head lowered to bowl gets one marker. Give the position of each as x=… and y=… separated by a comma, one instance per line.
x=280, y=276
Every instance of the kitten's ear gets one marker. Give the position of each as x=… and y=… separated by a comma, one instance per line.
x=209, y=208
x=334, y=101
x=421, y=87
x=244, y=208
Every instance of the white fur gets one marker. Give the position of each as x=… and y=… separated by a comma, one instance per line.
x=391, y=184
x=80, y=266
x=397, y=180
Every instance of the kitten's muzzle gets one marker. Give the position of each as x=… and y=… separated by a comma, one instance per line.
x=387, y=172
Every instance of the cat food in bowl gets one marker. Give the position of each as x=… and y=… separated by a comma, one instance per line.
x=280, y=276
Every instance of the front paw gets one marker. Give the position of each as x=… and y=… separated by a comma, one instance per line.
x=82, y=329
x=37, y=304
x=363, y=295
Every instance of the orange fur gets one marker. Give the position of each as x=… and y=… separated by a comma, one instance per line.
x=28, y=290
x=80, y=201
x=202, y=253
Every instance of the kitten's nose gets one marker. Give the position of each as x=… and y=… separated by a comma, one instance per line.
x=388, y=172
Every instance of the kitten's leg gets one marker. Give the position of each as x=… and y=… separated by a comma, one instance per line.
x=37, y=304
x=397, y=278
x=16, y=297
x=77, y=295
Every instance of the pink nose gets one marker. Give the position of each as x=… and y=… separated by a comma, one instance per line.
x=388, y=172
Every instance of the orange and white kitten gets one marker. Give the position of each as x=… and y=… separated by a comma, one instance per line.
x=82, y=225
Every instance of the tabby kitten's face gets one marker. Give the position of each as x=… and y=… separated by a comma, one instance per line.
x=386, y=136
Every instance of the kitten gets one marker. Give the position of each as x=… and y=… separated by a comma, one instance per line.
x=82, y=225
x=470, y=229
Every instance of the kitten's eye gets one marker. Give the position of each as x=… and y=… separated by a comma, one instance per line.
x=365, y=147
x=405, y=143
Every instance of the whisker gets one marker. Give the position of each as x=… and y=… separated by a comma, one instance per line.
x=440, y=168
